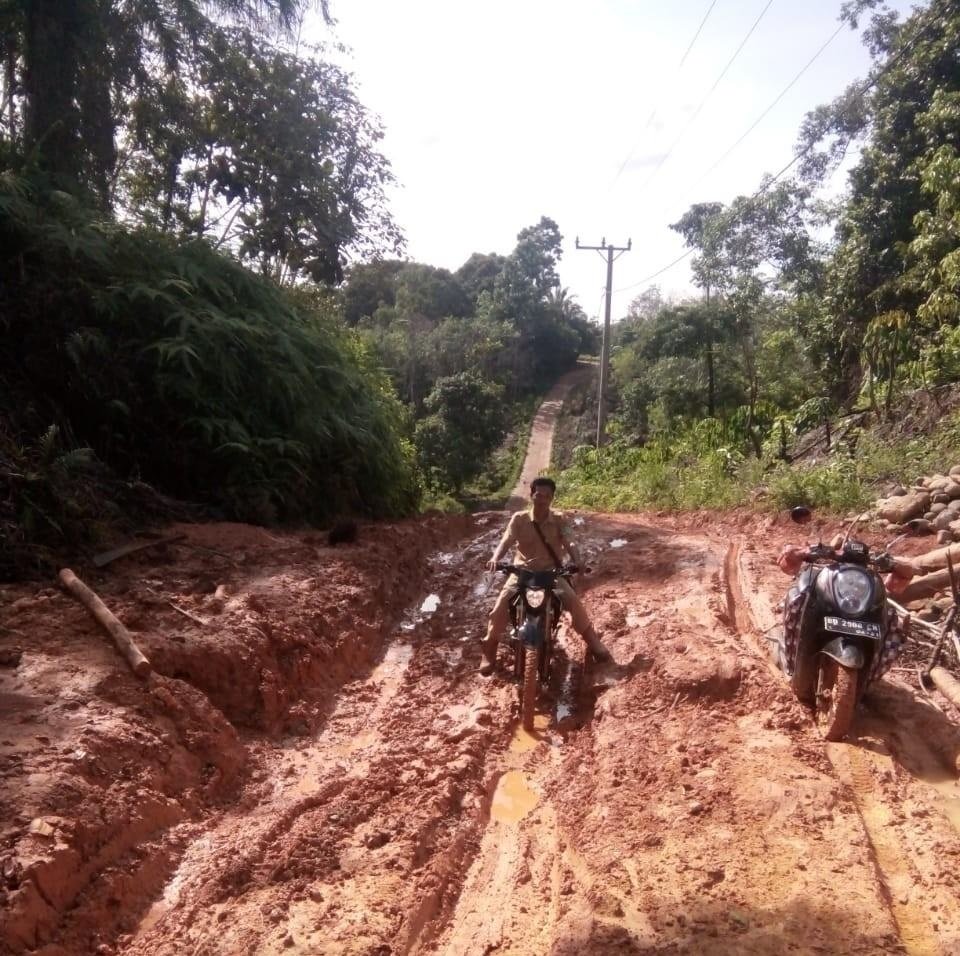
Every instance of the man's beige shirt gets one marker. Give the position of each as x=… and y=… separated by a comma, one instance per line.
x=531, y=552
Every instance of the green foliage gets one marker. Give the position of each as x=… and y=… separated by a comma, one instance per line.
x=835, y=486
x=465, y=420
x=895, y=232
x=174, y=363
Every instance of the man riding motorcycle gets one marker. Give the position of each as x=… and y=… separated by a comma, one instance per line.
x=540, y=536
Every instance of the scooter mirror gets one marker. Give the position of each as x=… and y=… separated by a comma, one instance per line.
x=801, y=514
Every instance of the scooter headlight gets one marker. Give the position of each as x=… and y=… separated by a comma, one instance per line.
x=535, y=597
x=853, y=589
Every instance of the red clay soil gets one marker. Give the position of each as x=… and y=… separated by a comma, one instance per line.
x=319, y=768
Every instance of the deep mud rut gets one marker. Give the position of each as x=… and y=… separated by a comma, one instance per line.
x=320, y=769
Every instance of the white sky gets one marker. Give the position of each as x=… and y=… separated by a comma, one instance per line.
x=499, y=112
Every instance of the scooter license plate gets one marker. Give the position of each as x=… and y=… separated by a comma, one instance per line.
x=839, y=625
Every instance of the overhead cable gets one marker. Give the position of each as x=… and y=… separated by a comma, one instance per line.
x=653, y=112
x=703, y=102
x=906, y=48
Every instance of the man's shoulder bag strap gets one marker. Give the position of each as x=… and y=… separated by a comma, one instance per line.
x=553, y=554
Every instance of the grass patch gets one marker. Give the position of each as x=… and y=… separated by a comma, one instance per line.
x=680, y=473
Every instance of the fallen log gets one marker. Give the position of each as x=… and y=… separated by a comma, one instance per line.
x=947, y=684
x=107, y=556
x=926, y=586
x=936, y=560
x=103, y=616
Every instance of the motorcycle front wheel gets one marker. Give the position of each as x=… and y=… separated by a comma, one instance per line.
x=528, y=693
x=836, y=698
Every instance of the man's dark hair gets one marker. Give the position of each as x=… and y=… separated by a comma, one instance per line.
x=543, y=482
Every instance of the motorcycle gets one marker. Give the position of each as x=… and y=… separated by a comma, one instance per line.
x=534, y=621
x=840, y=634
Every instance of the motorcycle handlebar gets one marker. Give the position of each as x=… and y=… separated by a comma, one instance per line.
x=565, y=571
x=883, y=561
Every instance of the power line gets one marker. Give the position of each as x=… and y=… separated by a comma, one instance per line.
x=908, y=47
x=683, y=59
x=703, y=102
x=781, y=95
x=653, y=113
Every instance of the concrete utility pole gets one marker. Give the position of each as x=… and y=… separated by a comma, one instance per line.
x=605, y=350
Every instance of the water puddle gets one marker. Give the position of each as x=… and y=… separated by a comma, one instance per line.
x=513, y=798
x=429, y=606
x=524, y=741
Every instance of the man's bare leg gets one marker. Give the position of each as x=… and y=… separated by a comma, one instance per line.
x=582, y=623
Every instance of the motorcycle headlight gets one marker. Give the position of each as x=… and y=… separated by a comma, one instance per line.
x=535, y=597
x=853, y=589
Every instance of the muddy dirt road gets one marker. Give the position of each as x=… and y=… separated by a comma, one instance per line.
x=317, y=767
x=675, y=801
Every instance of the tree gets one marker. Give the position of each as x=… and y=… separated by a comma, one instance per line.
x=465, y=422
x=266, y=152
x=76, y=57
x=915, y=62
x=368, y=286
x=479, y=274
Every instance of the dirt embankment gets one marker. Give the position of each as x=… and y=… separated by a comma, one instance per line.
x=103, y=776
x=675, y=801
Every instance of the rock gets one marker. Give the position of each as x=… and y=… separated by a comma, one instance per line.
x=377, y=840
x=919, y=526
x=954, y=471
x=937, y=481
x=901, y=509
x=928, y=515
x=955, y=526
x=897, y=491
x=942, y=520
x=954, y=505
x=952, y=490
x=939, y=498
x=944, y=536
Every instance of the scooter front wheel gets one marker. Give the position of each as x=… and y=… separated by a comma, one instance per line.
x=836, y=698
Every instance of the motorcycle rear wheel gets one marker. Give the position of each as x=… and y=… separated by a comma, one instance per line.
x=528, y=693
x=836, y=698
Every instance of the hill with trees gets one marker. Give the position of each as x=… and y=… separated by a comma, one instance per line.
x=808, y=309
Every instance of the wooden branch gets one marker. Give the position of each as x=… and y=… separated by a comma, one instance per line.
x=947, y=684
x=102, y=615
x=103, y=559
x=180, y=610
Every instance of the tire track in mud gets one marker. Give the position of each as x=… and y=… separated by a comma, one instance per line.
x=859, y=764
x=641, y=839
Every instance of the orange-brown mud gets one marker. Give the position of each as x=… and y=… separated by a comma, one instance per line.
x=318, y=768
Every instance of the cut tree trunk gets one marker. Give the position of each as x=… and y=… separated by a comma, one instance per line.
x=103, y=616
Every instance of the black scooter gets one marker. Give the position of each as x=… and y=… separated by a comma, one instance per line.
x=839, y=633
